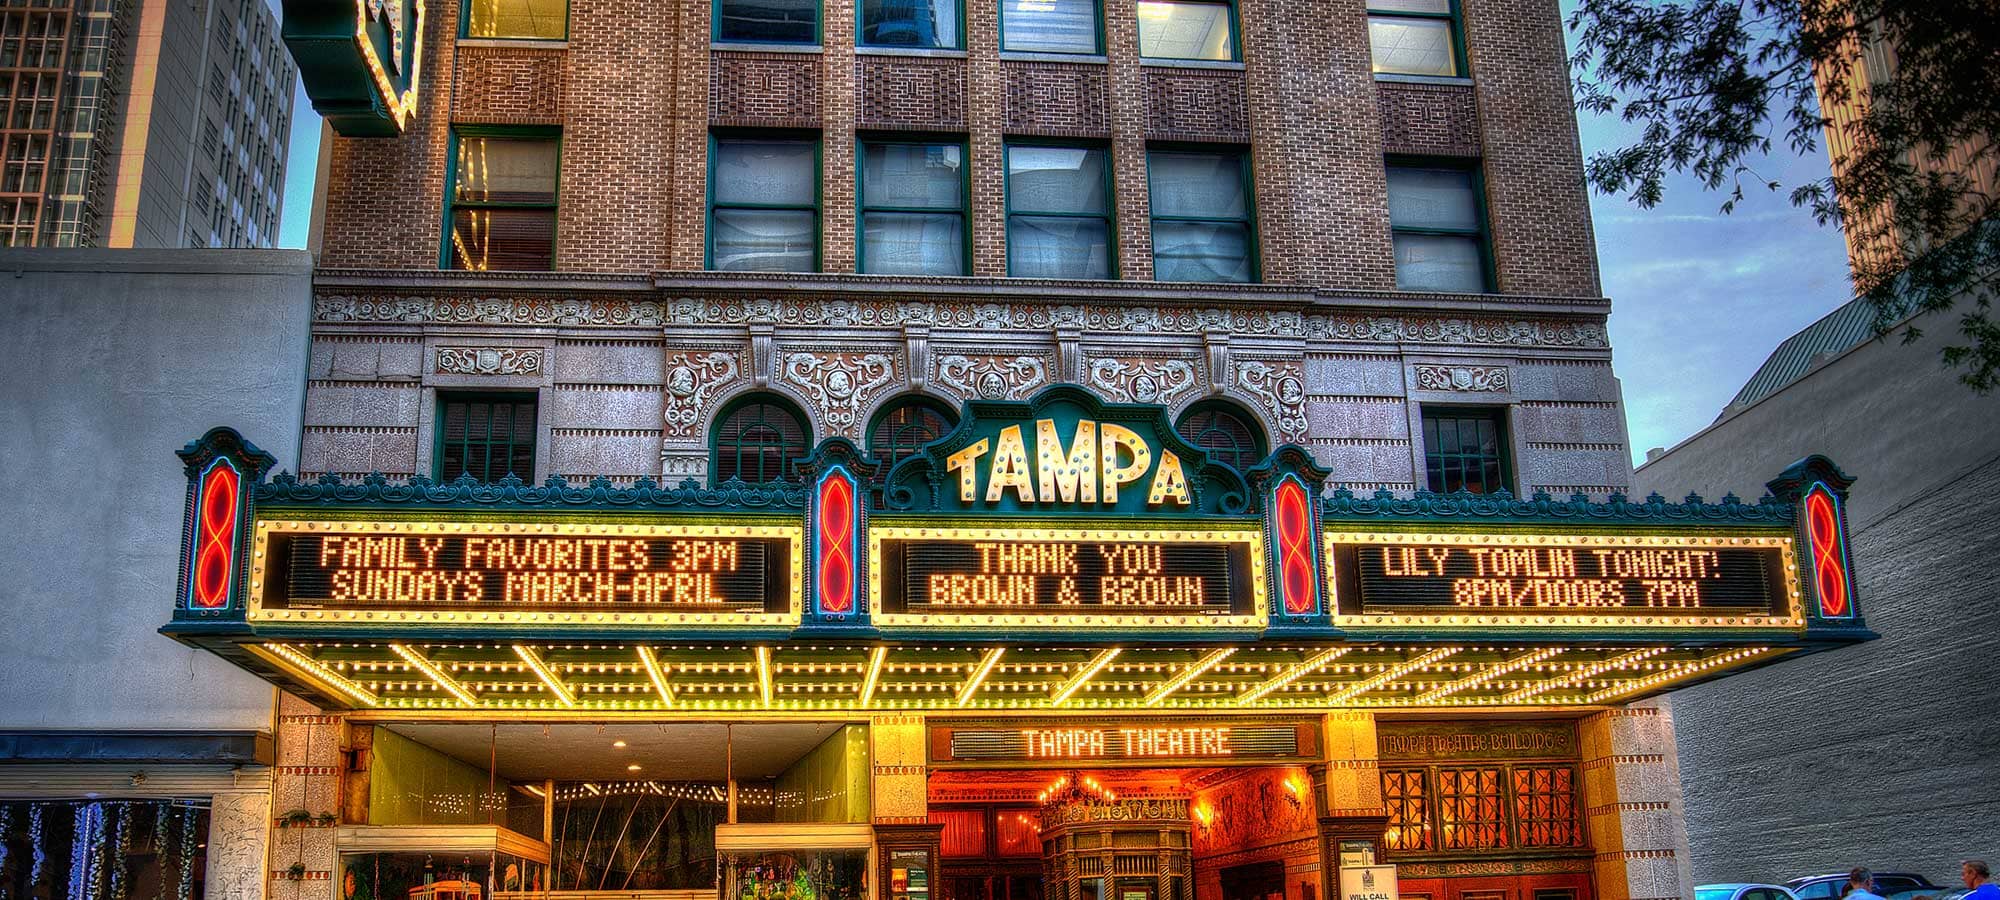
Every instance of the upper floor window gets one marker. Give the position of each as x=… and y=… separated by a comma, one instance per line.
x=487, y=436
x=1202, y=227
x=501, y=212
x=1221, y=429
x=767, y=21
x=1465, y=449
x=905, y=426
x=1187, y=29
x=546, y=20
x=755, y=438
x=913, y=209
x=1415, y=37
x=915, y=24
x=763, y=213
x=1438, y=223
x=1050, y=26
x=1058, y=212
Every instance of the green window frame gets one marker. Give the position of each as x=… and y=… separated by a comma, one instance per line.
x=1248, y=220
x=717, y=19
x=715, y=143
x=1229, y=434
x=486, y=434
x=1398, y=19
x=469, y=19
x=1096, y=28
x=1019, y=215
x=453, y=204
x=1161, y=9
x=861, y=33
x=757, y=435
x=1466, y=448
x=903, y=426
x=1401, y=229
x=867, y=206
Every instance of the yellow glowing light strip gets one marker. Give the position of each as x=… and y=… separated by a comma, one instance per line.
x=1585, y=674
x=1679, y=672
x=1394, y=672
x=657, y=673
x=874, y=676
x=979, y=674
x=1489, y=673
x=547, y=675
x=1083, y=676
x=1166, y=689
x=764, y=686
x=437, y=675
x=1317, y=662
x=314, y=670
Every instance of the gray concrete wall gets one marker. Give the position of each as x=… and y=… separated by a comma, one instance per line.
x=1885, y=754
x=112, y=360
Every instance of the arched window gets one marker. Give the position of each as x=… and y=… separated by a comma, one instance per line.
x=906, y=425
x=1221, y=428
x=754, y=439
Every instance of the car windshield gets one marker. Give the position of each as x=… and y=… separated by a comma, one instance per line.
x=1713, y=893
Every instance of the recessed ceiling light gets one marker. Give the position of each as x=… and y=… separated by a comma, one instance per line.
x=618, y=744
x=632, y=768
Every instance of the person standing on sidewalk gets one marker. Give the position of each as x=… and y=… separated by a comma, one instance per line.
x=1979, y=877
x=1860, y=885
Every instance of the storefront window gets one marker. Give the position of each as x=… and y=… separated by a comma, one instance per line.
x=1545, y=807
x=108, y=848
x=1409, y=822
x=795, y=875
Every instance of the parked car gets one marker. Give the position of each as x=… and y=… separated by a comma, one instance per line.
x=1929, y=893
x=1830, y=887
x=1742, y=892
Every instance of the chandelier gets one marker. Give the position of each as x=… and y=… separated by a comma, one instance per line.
x=1076, y=787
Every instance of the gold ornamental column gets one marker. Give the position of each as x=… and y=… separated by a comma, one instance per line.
x=898, y=784
x=1632, y=796
x=1347, y=788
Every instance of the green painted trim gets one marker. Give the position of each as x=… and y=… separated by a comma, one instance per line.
x=1455, y=16
x=518, y=132
x=1259, y=441
x=862, y=209
x=819, y=190
x=1109, y=217
x=1097, y=15
x=1481, y=232
x=819, y=28
x=465, y=26
x=448, y=395
x=765, y=396
x=1497, y=413
x=1235, y=33
x=1245, y=176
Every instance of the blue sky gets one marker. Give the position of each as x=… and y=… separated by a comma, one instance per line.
x=1698, y=298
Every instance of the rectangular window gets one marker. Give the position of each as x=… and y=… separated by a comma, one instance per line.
x=1049, y=26
x=1187, y=29
x=913, y=209
x=763, y=213
x=1465, y=450
x=502, y=206
x=487, y=436
x=914, y=24
x=546, y=20
x=1414, y=37
x=1058, y=212
x=767, y=21
x=1202, y=227
x=1469, y=810
x=1438, y=224
x=1409, y=820
x=1545, y=807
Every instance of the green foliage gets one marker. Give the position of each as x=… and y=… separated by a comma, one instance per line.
x=1713, y=84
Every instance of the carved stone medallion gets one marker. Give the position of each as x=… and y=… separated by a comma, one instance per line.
x=1281, y=385
x=692, y=379
x=840, y=384
x=489, y=360
x=1142, y=379
x=1476, y=379
x=997, y=377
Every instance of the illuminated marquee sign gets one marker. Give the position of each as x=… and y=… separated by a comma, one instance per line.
x=928, y=576
x=360, y=61
x=486, y=572
x=1134, y=743
x=1565, y=580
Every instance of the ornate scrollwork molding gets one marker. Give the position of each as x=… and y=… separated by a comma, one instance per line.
x=992, y=376
x=692, y=380
x=1281, y=386
x=1472, y=379
x=1141, y=379
x=840, y=384
x=489, y=360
